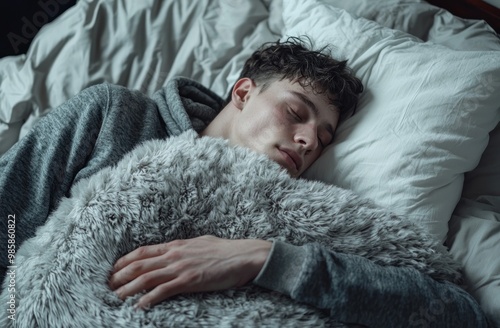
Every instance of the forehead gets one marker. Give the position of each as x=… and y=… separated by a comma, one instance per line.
x=319, y=103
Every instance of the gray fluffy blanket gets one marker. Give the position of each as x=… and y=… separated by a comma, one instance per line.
x=185, y=187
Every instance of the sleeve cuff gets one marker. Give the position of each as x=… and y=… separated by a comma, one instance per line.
x=282, y=268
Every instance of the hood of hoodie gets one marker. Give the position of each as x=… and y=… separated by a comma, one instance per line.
x=184, y=103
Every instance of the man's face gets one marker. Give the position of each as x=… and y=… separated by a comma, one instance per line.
x=287, y=122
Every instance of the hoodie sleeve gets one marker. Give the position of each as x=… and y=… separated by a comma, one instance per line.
x=357, y=291
x=90, y=131
x=39, y=169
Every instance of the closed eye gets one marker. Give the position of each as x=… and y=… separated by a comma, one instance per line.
x=294, y=114
x=322, y=145
x=325, y=140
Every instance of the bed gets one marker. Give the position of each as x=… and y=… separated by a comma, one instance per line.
x=424, y=141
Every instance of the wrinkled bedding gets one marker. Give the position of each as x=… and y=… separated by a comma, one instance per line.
x=142, y=44
x=151, y=41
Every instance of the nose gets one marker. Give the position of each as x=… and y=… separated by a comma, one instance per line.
x=306, y=136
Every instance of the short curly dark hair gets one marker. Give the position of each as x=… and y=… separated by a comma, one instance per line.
x=292, y=59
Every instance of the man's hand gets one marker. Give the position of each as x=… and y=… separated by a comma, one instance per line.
x=200, y=264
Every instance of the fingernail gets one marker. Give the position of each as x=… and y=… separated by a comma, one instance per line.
x=137, y=307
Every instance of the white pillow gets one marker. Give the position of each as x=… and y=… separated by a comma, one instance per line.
x=425, y=21
x=422, y=122
x=474, y=236
x=474, y=228
x=483, y=183
x=474, y=241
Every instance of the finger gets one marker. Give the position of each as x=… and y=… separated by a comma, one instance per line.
x=162, y=292
x=140, y=253
x=144, y=282
x=134, y=270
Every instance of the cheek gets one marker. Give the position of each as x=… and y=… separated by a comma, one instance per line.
x=255, y=133
x=267, y=123
x=311, y=158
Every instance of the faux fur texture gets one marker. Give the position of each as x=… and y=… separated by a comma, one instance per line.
x=185, y=187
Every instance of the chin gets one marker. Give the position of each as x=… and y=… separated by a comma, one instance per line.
x=291, y=173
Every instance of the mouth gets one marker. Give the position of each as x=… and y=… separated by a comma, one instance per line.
x=291, y=158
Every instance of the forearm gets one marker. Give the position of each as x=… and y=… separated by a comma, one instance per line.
x=356, y=290
x=40, y=168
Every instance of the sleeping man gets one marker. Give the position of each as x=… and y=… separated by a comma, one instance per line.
x=286, y=105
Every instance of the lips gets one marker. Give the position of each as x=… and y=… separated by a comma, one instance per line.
x=292, y=158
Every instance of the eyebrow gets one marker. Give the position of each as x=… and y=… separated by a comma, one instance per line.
x=312, y=106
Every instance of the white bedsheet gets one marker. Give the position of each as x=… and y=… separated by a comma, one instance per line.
x=141, y=44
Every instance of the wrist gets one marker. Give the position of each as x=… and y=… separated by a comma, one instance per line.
x=254, y=254
x=282, y=268
x=260, y=250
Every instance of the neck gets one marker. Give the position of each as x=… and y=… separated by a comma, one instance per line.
x=221, y=126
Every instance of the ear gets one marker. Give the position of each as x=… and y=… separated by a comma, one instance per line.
x=241, y=92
